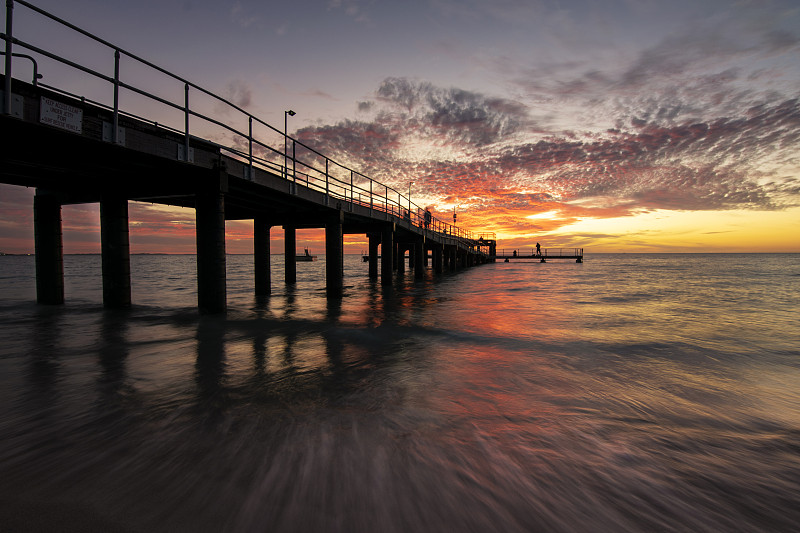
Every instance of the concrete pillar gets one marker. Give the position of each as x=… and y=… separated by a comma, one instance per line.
x=263, y=275
x=419, y=253
x=334, y=257
x=116, y=253
x=374, y=241
x=387, y=255
x=211, y=281
x=401, y=257
x=438, y=259
x=289, y=252
x=49, y=249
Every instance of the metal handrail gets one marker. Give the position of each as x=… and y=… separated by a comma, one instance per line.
x=392, y=201
x=36, y=75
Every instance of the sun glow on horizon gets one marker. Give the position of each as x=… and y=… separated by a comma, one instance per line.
x=687, y=231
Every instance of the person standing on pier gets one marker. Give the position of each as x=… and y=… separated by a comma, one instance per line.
x=538, y=249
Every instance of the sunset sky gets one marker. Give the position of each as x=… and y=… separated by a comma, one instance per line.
x=613, y=125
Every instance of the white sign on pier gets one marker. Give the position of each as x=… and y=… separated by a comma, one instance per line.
x=61, y=115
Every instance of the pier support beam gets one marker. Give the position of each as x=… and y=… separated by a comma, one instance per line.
x=263, y=275
x=374, y=241
x=401, y=258
x=49, y=249
x=334, y=257
x=211, y=281
x=387, y=254
x=438, y=259
x=290, y=251
x=419, y=259
x=116, y=253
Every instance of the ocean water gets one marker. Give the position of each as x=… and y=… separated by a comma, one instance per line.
x=630, y=393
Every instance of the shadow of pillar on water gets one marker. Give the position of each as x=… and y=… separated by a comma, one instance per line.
x=112, y=353
x=262, y=302
x=260, y=340
x=44, y=368
x=290, y=305
x=334, y=345
x=210, y=367
x=44, y=364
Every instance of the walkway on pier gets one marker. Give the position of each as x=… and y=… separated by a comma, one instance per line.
x=74, y=150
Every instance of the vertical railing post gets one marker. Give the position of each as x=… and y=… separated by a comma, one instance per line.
x=351, y=191
x=115, y=130
x=250, y=141
x=294, y=166
x=186, y=122
x=9, y=37
x=327, y=183
x=36, y=75
x=370, y=193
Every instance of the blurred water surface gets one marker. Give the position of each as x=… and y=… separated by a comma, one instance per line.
x=640, y=392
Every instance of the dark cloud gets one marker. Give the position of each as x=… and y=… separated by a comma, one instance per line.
x=451, y=115
x=354, y=9
x=240, y=93
x=715, y=66
x=365, y=145
x=319, y=93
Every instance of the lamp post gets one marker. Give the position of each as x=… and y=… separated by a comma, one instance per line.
x=410, y=183
x=286, y=115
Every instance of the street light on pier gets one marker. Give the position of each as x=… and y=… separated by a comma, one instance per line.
x=410, y=183
x=286, y=115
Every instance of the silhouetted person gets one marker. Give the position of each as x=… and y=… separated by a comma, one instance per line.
x=515, y=253
x=538, y=249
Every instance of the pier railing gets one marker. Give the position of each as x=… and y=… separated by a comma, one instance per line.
x=295, y=161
